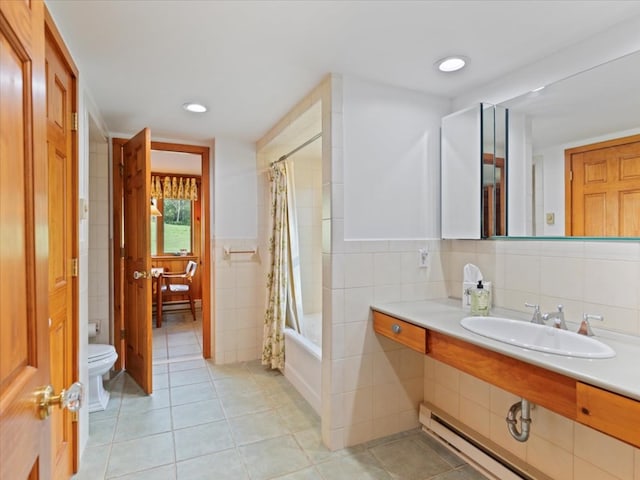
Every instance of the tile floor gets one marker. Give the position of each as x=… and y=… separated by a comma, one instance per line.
x=236, y=422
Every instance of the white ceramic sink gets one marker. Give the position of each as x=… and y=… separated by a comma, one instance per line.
x=541, y=338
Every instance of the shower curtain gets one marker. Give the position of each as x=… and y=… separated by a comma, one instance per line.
x=284, y=304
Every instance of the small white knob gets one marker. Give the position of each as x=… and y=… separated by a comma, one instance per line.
x=396, y=328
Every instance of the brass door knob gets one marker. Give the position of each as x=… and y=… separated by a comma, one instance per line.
x=138, y=275
x=71, y=399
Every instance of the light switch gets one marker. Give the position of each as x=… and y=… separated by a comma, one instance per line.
x=83, y=208
x=551, y=218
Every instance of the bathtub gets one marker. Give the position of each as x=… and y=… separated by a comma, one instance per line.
x=303, y=367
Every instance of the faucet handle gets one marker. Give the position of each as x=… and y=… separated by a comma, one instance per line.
x=537, y=316
x=585, y=326
x=560, y=308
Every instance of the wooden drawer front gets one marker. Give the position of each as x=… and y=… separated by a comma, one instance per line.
x=542, y=387
x=608, y=412
x=405, y=333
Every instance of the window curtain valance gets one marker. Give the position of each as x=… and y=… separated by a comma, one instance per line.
x=177, y=188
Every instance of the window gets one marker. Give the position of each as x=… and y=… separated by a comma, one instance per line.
x=176, y=216
x=173, y=231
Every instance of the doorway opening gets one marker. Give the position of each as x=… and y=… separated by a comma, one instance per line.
x=177, y=238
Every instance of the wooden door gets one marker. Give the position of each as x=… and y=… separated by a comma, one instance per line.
x=25, y=439
x=62, y=245
x=604, y=189
x=137, y=258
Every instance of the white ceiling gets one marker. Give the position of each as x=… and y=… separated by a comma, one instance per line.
x=251, y=61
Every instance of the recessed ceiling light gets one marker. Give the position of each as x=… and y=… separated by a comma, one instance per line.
x=194, y=107
x=451, y=64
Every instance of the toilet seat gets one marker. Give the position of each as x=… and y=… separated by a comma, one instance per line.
x=98, y=352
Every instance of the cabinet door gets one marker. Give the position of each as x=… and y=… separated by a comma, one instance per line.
x=461, y=172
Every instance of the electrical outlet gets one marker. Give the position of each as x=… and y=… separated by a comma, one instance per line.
x=551, y=218
x=423, y=258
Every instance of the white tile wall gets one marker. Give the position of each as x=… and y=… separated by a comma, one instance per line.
x=240, y=292
x=98, y=259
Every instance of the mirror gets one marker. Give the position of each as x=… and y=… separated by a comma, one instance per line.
x=568, y=129
x=473, y=180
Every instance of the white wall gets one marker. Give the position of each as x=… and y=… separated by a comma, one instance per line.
x=235, y=203
x=391, y=167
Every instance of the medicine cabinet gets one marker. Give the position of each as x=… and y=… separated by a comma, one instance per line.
x=474, y=171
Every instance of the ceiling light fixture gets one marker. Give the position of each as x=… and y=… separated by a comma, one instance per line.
x=451, y=64
x=194, y=107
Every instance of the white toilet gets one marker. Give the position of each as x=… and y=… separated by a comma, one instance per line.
x=101, y=359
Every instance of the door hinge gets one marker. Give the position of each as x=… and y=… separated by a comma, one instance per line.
x=74, y=121
x=123, y=334
x=74, y=267
x=571, y=175
x=74, y=417
x=122, y=254
x=121, y=167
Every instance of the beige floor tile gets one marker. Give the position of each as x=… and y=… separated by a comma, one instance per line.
x=161, y=473
x=176, y=366
x=141, y=454
x=140, y=404
x=235, y=385
x=360, y=465
x=143, y=424
x=188, y=377
x=273, y=457
x=409, y=459
x=202, y=439
x=244, y=403
x=101, y=431
x=196, y=392
x=309, y=473
x=227, y=465
x=196, y=413
x=257, y=427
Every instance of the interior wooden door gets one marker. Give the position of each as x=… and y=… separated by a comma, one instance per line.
x=604, y=198
x=137, y=259
x=62, y=244
x=25, y=438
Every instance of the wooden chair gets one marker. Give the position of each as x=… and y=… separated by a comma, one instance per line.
x=182, y=287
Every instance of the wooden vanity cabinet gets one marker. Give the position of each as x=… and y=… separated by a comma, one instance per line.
x=548, y=389
x=608, y=412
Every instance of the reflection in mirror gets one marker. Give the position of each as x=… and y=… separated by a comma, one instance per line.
x=494, y=165
x=574, y=155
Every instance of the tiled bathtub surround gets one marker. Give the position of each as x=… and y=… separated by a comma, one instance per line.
x=240, y=292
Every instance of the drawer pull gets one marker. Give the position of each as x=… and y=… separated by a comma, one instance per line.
x=585, y=410
x=396, y=328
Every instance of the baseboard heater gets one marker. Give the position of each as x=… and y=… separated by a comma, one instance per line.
x=490, y=459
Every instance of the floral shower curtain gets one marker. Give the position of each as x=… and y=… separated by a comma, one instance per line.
x=283, y=281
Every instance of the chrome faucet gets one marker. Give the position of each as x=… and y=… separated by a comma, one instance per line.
x=537, y=316
x=585, y=326
x=558, y=318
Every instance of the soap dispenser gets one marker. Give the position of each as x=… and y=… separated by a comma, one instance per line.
x=480, y=300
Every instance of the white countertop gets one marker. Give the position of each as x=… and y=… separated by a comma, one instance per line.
x=620, y=374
